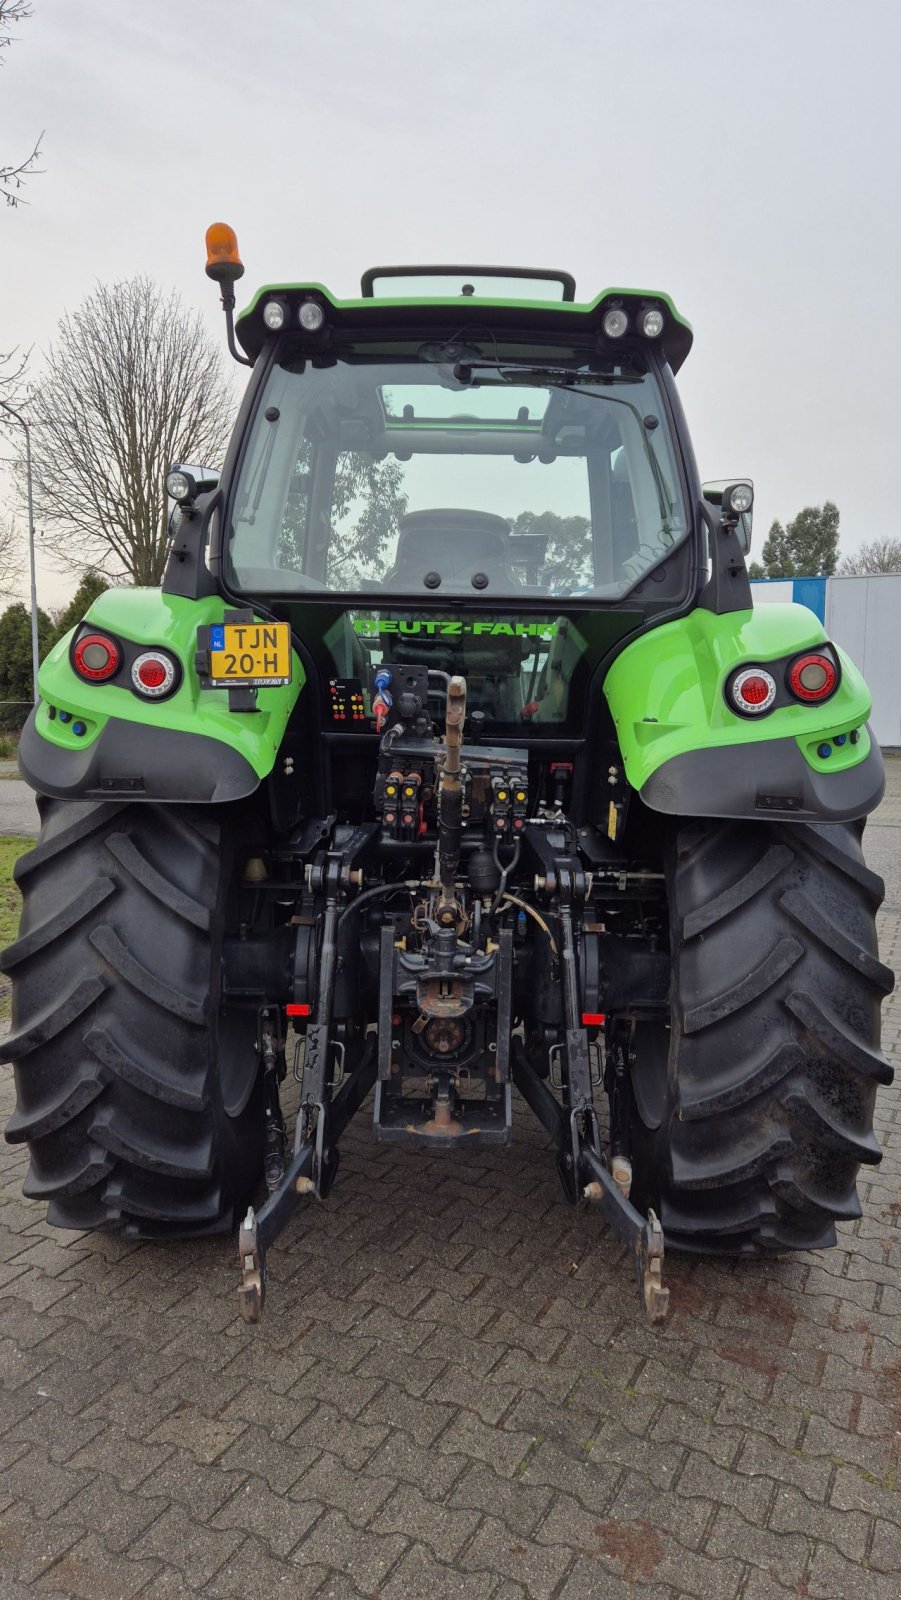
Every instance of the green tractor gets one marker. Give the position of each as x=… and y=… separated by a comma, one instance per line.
x=451, y=757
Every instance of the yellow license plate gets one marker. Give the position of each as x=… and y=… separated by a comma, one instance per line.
x=257, y=654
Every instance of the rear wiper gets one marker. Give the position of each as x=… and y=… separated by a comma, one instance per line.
x=556, y=377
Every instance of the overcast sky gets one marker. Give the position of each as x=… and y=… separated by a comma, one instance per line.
x=744, y=158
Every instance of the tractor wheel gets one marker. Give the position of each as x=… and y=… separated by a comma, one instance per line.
x=753, y=1110
x=138, y=1096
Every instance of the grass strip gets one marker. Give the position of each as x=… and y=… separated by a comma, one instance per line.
x=12, y=846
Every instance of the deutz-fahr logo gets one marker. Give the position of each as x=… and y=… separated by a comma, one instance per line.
x=454, y=627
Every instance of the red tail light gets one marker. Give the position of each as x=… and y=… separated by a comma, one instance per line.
x=95, y=657
x=812, y=677
x=153, y=674
x=752, y=691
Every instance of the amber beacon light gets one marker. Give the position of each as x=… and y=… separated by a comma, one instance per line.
x=222, y=260
x=224, y=266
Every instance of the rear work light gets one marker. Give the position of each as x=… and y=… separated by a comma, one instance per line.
x=275, y=315
x=615, y=322
x=96, y=657
x=152, y=674
x=651, y=322
x=311, y=316
x=812, y=677
x=752, y=691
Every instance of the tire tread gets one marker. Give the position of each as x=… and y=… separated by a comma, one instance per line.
x=119, y=1098
x=767, y=1113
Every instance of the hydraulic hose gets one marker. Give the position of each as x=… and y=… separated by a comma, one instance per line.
x=380, y=892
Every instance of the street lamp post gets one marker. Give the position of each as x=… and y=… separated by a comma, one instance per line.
x=34, y=588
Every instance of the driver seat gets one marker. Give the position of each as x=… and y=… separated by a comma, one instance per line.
x=455, y=544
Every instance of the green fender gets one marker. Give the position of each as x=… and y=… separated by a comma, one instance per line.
x=189, y=747
x=686, y=751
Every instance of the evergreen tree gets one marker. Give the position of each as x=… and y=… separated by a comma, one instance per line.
x=16, y=687
x=87, y=592
x=806, y=547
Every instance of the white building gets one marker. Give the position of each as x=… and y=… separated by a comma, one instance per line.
x=863, y=615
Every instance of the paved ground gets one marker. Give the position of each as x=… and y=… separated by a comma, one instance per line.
x=18, y=812
x=452, y=1395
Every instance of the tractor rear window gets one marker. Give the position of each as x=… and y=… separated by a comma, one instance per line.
x=455, y=472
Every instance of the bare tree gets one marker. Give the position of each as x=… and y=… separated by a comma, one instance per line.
x=10, y=558
x=133, y=384
x=878, y=555
x=11, y=176
x=12, y=376
x=12, y=392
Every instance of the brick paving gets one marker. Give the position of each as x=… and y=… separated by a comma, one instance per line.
x=452, y=1396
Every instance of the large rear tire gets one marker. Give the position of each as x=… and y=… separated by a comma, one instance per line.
x=138, y=1097
x=754, y=1110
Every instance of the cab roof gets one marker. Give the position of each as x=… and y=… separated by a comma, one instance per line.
x=547, y=305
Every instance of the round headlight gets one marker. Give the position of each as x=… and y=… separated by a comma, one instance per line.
x=652, y=323
x=274, y=315
x=179, y=486
x=615, y=323
x=311, y=316
x=741, y=498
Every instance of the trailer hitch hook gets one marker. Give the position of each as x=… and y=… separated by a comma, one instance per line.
x=252, y=1288
x=643, y=1234
x=648, y=1268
